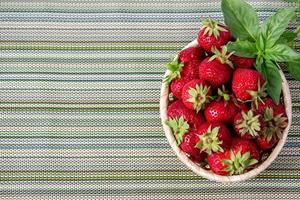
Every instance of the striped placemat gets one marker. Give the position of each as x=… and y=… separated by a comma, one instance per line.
x=79, y=102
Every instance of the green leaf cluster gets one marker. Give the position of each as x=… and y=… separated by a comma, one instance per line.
x=269, y=42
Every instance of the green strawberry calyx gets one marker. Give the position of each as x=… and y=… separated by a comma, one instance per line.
x=199, y=96
x=275, y=125
x=224, y=93
x=222, y=56
x=179, y=127
x=259, y=94
x=209, y=141
x=212, y=27
x=249, y=124
x=175, y=68
x=239, y=163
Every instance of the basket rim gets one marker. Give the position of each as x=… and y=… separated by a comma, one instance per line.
x=206, y=173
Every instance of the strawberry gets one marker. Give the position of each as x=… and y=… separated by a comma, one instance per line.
x=248, y=125
x=275, y=125
x=215, y=162
x=196, y=94
x=177, y=110
x=222, y=110
x=177, y=85
x=191, y=69
x=212, y=35
x=265, y=144
x=230, y=162
x=192, y=53
x=243, y=146
x=242, y=62
x=248, y=84
x=269, y=103
x=188, y=146
x=275, y=122
x=262, y=105
x=188, y=72
x=241, y=106
x=214, y=137
x=216, y=70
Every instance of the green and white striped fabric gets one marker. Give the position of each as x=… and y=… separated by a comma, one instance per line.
x=79, y=102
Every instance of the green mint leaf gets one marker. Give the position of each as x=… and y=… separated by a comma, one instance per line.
x=273, y=78
x=275, y=25
x=287, y=37
x=243, y=48
x=260, y=43
x=281, y=53
x=241, y=19
x=258, y=63
x=294, y=68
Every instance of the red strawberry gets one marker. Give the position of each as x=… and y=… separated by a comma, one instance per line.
x=230, y=162
x=248, y=84
x=265, y=144
x=248, y=125
x=196, y=94
x=192, y=53
x=269, y=103
x=213, y=34
x=279, y=109
x=188, y=73
x=220, y=111
x=215, y=161
x=245, y=146
x=275, y=125
x=177, y=85
x=262, y=105
x=242, y=62
x=242, y=106
x=188, y=146
x=216, y=70
x=191, y=69
x=214, y=137
x=177, y=110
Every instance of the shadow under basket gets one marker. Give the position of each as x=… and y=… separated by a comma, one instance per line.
x=201, y=170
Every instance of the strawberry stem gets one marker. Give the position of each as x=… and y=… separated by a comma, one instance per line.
x=274, y=125
x=199, y=96
x=222, y=56
x=239, y=163
x=223, y=93
x=249, y=124
x=179, y=127
x=212, y=27
x=209, y=141
x=175, y=68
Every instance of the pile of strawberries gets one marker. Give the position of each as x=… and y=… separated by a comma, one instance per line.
x=219, y=111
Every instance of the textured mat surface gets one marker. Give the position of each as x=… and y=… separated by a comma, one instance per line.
x=79, y=103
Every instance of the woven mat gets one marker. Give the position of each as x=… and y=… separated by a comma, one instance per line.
x=79, y=103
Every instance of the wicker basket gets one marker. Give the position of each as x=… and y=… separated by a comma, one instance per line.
x=207, y=173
